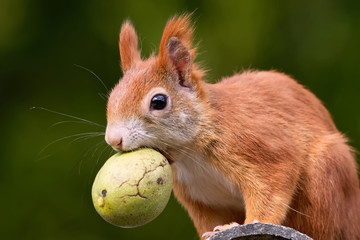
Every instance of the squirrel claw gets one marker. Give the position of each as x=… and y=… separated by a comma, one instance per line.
x=219, y=229
x=207, y=235
x=224, y=227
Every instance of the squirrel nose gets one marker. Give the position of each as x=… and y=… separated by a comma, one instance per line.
x=115, y=141
x=117, y=144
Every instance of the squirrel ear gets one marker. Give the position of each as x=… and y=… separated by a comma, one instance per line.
x=180, y=58
x=128, y=44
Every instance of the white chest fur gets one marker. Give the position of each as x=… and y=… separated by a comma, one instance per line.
x=205, y=184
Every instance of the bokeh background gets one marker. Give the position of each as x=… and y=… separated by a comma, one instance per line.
x=47, y=163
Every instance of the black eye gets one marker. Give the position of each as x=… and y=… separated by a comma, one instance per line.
x=158, y=102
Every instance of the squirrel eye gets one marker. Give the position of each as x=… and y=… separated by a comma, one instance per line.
x=158, y=102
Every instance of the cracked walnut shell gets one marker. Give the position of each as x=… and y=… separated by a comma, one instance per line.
x=132, y=188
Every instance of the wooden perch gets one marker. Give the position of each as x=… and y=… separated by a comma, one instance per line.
x=259, y=231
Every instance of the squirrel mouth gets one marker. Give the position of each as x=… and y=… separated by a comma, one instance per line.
x=165, y=154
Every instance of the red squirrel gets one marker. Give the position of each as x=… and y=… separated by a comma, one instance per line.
x=254, y=147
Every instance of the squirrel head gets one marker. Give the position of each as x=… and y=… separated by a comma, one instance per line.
x=157, y=103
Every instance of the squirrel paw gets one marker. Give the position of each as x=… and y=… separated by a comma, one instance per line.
x=219, y=228
x=207, y=235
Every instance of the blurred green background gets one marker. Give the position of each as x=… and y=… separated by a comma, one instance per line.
x=45, y=190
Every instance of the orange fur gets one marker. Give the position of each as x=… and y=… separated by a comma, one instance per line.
x=128, y=46
x=255, y=146
x=181, y=28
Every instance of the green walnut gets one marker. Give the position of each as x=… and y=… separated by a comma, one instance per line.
x=132, y=188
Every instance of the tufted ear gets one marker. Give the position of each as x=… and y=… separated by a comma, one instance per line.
x=176, y=51
x=179, y=57
x=128, y=46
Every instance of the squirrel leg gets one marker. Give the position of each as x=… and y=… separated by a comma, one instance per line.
x=206, y=218
x=269, y=205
